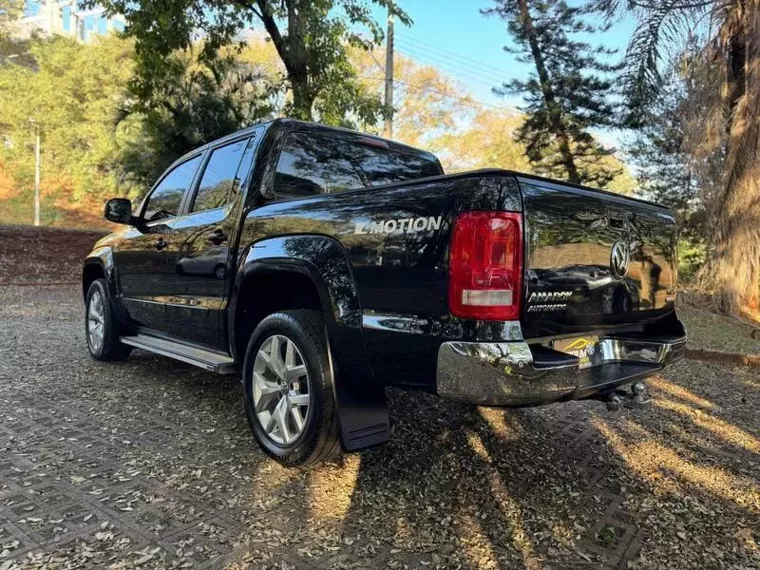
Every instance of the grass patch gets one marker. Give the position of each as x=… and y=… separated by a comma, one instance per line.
x=711, y=331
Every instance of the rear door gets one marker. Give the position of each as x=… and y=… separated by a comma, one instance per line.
x=594, y=260
x=142, y=259
x=205, y=239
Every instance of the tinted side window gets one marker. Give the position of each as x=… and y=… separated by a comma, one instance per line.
x=166, y=198
x=218, y=178
x=315, y=165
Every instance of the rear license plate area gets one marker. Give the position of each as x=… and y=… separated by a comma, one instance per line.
x=586, y=348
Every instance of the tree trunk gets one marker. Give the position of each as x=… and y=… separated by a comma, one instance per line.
x=303, y=100
x=292, y=52
x=733, y=268
x=555, y=110
x=298, y=71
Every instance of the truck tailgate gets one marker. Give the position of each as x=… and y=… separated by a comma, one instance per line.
x=593, y=260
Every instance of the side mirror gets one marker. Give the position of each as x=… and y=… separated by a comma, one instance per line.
x=119, y=210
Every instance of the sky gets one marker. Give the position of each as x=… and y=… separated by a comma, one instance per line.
x=455, y=37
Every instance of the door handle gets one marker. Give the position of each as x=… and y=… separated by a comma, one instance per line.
x=160, y=244
x=217, y=237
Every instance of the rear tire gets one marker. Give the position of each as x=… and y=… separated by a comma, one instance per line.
x=288, y=385
x=101, y=328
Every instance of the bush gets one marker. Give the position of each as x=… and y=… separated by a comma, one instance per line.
x=692, y=255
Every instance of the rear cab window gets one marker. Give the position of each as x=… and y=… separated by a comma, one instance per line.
x=312, y=164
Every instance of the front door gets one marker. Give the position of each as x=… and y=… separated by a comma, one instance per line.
x=143, y=260
x=204, y=238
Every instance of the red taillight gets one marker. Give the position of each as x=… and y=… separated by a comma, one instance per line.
x=485, y=266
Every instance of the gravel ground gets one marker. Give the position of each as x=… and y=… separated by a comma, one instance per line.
x=150, y=464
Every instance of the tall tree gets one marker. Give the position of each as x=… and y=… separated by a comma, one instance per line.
x=722, y=126
x=487, y=141
x=310, y=36
x=190, y=102
x=11, y=48
x=72, y=93
x=427, y=102
x=569, y=93
x=10, y=12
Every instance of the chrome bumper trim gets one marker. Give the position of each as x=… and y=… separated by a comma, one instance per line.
x=503, y=374
x=442, y=326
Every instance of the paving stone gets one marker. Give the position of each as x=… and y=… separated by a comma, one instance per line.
x=150, y=463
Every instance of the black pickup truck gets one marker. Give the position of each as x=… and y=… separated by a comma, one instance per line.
x=324, y=265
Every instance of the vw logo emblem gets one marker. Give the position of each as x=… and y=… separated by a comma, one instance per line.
x=619, y=259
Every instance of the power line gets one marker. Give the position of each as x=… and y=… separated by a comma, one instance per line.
x=447, y=66
x=379, y=65
x=485, y=80
x=446, y=60
x=421, y=53
x=453, y=55
x=453, y=62
x=416, y=57
x=441, y=93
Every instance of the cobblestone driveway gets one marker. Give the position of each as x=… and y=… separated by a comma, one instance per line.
x=150, y=464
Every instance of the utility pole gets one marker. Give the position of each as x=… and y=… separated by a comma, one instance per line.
x=37, y=177
x=388, y=127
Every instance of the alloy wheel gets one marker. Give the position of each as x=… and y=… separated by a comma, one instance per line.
x=96, y=321
x=280, y=389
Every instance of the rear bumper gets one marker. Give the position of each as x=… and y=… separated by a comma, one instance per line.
x=506, y=373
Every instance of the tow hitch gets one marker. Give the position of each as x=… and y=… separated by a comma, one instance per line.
x=636, y=397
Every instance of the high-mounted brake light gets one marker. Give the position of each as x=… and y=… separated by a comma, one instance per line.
x=485, y=266
x=372, y=141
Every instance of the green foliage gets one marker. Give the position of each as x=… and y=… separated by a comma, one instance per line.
x=313, y=47
x=11, y=50
x=72, y=93
x=311, y=38
x=10, y=12
x=660, y=26
x=692, y=255
x=663, y=166
x=191, y=102
x=19, y=210
x=570, y=92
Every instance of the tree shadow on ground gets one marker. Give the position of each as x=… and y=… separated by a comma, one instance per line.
x=560, y=486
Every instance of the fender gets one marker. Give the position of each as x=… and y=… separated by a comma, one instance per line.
x=102, y=257
x=360, y=402
x=319, y=257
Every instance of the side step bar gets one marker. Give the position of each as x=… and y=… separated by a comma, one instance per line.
x=206, y=359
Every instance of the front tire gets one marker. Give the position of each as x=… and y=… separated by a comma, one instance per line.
x=100, y=325
x=288, y=386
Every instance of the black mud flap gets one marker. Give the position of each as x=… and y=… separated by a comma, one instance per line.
x=359, y=400
x=363, y=415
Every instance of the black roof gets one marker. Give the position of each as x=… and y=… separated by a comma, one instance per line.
x=285, y=121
